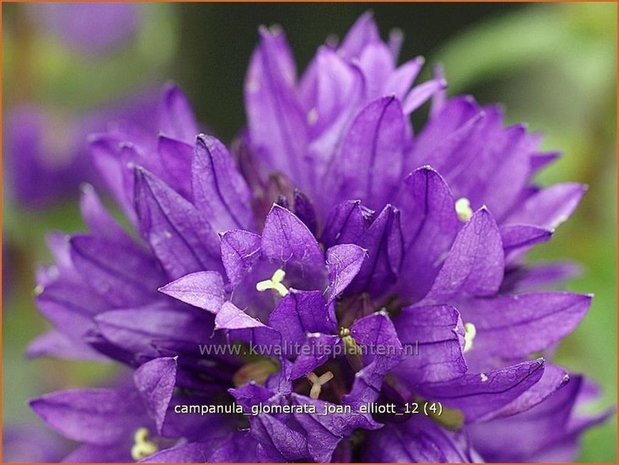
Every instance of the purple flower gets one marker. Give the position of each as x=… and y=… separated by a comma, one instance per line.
x=324, y=266
x=92, y=28
x=47, y=155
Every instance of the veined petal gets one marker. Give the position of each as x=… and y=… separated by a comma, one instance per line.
x=550, y=206
x=97, y=416
x=286, y=239
x=344, y=262
x=516, y=326
x=219, y=191
x=240, y=251
x=179, y=235
x=475, y=262
x=479, y=397
x=176, y=116
x=370, y=162
x=437, y=333
x=155, y=380
x=203, y=289
x=302, y=312
x=430, y=224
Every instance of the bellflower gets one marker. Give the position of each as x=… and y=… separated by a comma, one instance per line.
x=360, y=267
x=91, y=28
x=47, y=154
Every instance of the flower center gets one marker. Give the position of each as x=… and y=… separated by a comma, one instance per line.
x=318, y=382
x=143, y=446
x=274, y=283
x=463, y=209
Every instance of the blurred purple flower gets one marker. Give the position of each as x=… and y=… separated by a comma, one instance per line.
x=92, y=28
x=336, y=238
x=47, y=154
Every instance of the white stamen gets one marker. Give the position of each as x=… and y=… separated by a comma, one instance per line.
x=469, y=336
x=312, y=116
x=483, y=377
x=318, y=382
x=463, y=209
x=274, y=283
x=142, y=446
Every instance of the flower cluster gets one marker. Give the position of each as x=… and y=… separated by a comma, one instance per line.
x=335, y=228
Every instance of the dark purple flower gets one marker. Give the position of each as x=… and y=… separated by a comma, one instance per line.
x=300, y=281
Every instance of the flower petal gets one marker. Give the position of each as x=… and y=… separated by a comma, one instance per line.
x=155, y=381
x=480, y=397
x=180, y=237
x=370, y=162
x=176, y=116
x=219, y=191
x=436, y=332
x=96, y=416
x=240, y=251
x=516, y=326
x=344, y=262
x=302, y=312
x=203, y=289
x=475, y=262
x=430, y=225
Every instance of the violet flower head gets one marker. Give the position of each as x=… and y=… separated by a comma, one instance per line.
x=91, y=28
x=336, y=261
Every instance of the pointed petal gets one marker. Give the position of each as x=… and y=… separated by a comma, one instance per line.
x=286, y=239
x=384, y=243
x=240, y=325
x=344, y=262
x=516, y=326
x=176, y=116
x=176, y=163
x=302, y=312
x=370, y=162
x=550, y=206
x=277, y=124
x=421, y=94
x=180, y=237
x=126, y=283
x=135, y=329
x=240, y=251
x=475, y=262
x=430, y=224
x=363, y=32
x=57, y=345
x=435, y=333
x=219, y=191
x=480, y=397
x=518, y=238
x=96, y=416
x=203, y=289
x=346, y=223
x=99, y=221
x=155, y=381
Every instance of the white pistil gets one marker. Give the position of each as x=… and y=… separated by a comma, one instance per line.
x=463, y=209
x=142, y=447
x=274, y=283
x=318, y=382
x=483, y=377
x=469, y=336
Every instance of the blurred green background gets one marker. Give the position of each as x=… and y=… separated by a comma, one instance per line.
x=552, y=65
